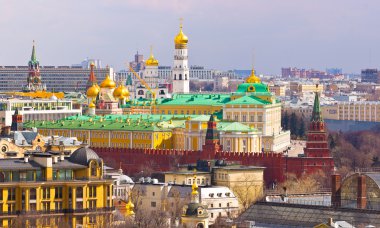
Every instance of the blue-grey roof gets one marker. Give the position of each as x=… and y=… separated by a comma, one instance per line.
x=83, y=156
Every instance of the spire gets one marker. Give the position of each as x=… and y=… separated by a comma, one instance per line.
x=33, y=57
x=317, y=114
x=92, y=78
x=194, y=188
x=129, y=207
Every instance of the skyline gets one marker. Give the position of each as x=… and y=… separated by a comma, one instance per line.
x=296, y=33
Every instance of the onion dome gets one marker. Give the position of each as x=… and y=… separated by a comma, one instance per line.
x=121, y=92
x=181, y=39
x=93, y=91
x=92, y=105
x=253, y=78
x=151, y=61
x=108, y=83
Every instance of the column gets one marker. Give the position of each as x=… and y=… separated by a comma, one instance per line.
x=362, y=192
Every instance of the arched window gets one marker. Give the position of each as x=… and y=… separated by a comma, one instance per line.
x=93, y=168
x=185, y=76
x=175, y=77
x=141, y=92
x=180, y=76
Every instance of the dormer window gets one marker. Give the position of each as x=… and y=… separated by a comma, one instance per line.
x=93, y=168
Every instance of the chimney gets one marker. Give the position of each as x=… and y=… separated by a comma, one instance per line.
x=62, y=157
x=26, y=159
x=74, y=141
x=330, y=222
x=55, y=159
x=23, y=142
x=362, y=192
x=335, y=190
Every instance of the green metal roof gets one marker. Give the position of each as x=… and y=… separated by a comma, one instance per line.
x=234, y=126
x=259, y=88
x=249, y=99
x=196, y=99
x=317, y=114
x=135, y=122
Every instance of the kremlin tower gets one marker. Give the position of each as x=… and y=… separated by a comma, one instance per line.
x=316, y=145
x=34, y=77
x=180, y=72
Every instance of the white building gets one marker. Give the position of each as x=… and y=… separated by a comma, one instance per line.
x=36, y=109
x=180, y=72
x=154, y=196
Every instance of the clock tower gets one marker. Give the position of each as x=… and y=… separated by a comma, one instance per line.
x=34, y=77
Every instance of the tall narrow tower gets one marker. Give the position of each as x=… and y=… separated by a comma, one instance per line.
x=180, y=71
x=316, y=145
x=34, y=77
x=151, y=71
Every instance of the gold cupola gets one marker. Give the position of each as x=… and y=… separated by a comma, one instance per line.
x=121, y=92
x=253, y=78
x=181, y=39
x=151, y=61
x=93, y=91
x=108, y=83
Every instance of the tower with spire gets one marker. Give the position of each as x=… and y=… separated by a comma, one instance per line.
x=91, y=78
x=316, y=145
x=212, y=142
x=34, y=77
x=194, y=214
x=180, y=71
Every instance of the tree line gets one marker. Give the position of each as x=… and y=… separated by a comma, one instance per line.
x=295, y=123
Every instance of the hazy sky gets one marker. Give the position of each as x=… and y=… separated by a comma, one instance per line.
x=222, y=34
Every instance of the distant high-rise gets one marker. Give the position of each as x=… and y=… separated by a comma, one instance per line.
x=57, y=78
x=370, y=75
x=138, y=64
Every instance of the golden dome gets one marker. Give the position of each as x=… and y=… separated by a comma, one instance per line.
x=181, y=39
x=92, y=105
x=108, y=83
x=151, y=61
x=93, y=91
x=121, y=92
x=253, y=78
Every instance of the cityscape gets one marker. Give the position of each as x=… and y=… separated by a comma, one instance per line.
x=193, y=134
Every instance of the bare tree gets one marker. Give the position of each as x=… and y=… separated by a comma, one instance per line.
x=247, y=189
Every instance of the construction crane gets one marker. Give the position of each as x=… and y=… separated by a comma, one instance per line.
x=153, y=103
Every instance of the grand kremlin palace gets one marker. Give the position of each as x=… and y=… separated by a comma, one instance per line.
x=248, y=120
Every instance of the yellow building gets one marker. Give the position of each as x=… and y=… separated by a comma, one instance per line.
x=187, y=178
x=51, y=190
x=247, y=182
x=357, y=111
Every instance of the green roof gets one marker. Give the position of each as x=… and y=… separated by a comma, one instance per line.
x=259, y=88
x=196, y=99
x=249, y=99
x=234, y=126
x=135, y=122
x=115, y=122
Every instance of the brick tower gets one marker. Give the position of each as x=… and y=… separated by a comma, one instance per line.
x=316, y=145
x=212, y=143
x=16, y=121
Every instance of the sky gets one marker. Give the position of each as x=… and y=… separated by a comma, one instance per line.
x=234, y=34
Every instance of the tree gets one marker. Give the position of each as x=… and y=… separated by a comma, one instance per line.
x=247, y=189
x=301, y=129
x=285, y=121
x=293, y=124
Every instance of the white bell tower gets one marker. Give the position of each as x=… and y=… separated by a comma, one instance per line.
x=180, y=71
